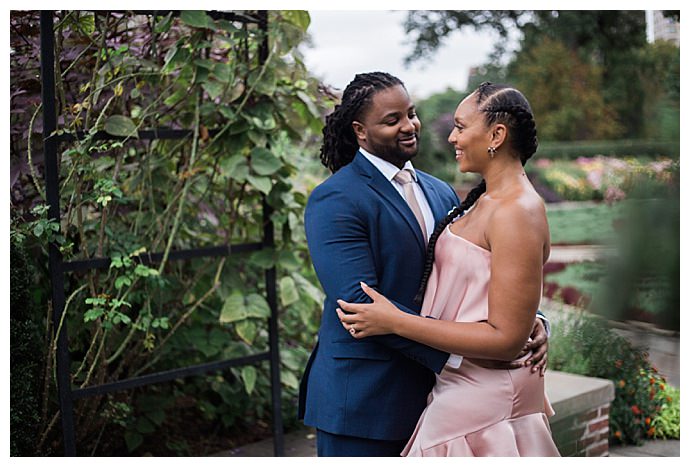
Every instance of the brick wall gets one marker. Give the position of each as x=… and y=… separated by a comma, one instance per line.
x=583, y=434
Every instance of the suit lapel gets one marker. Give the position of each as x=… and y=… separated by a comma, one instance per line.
x=438, y=208
x=383, y=187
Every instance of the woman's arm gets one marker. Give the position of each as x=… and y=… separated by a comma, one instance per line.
x=517, y=236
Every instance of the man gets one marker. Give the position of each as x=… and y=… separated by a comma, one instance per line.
x=364, y=225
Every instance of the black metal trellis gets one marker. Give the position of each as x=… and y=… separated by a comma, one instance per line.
x=67, y=395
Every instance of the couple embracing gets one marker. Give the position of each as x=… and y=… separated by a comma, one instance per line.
x=431, y=343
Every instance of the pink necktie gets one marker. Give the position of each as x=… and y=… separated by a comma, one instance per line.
x=404, y=177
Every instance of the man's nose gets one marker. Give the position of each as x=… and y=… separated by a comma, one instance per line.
x=408, y=125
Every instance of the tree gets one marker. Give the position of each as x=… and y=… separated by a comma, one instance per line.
x=605, y=40
x=565, y=93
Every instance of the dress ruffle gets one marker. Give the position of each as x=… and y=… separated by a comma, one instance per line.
x=526, y=436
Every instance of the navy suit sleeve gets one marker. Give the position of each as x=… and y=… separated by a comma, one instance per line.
x=338, y=242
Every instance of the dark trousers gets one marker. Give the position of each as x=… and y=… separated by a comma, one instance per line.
x=330, y=445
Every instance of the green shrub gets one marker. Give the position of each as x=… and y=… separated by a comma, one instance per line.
x=255, y=115
x=619, y=148
x=25, y=357
x=584, y=344
x=667, y=422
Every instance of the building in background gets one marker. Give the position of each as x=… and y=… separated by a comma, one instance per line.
x=661, y=28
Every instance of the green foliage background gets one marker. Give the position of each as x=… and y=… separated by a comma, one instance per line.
x=595, y=85
x=120, y=199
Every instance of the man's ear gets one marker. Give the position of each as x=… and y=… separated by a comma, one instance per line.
x=498, y=135
x=359, y=130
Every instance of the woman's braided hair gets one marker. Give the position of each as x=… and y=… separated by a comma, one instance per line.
x=500, y=104
x=339, y=141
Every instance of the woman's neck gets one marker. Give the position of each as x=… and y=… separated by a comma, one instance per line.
x=501, y=176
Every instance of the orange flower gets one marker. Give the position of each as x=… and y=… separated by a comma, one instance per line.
x=636, y=410
x=648, y=420
x=618, y=434
x=669, y=398
x=662, y=387
x=651, y=431
x=652, y=381
x=621, y=383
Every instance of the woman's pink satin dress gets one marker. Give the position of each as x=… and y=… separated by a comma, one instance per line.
x=474, y=411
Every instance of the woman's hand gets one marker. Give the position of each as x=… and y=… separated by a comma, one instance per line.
x=369, y=319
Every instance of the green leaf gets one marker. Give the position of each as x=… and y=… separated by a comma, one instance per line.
x=264, y=162
x=264, y=259
x=116, y=262
x=263, y=83
x=195, y=18
x=226, y=25
x=309, y=102
x=261, y=116
x=299, y=18
x=95, y=301
x=205, y=63
x=175, y=56
x=236, y=92
x=227, y=112
x=289, y=260
x=163, y=25
x=87, y=24
x=235, y=167
x=93, y=314
x=213, y=88
x=133, y=440
x=223, y=72
x=122, y=281
x=291, y=359
x=38, y=229
x=119, y=125
x=145, y=271
x=156, y=416
x=288, y=291
x=289, y=379
x=257, y=306
x=310, y=289
x=246, y=330
x=234, y=308
x=249, y=378
x=263, y=184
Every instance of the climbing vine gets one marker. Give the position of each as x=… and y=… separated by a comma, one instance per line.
x=253, y=125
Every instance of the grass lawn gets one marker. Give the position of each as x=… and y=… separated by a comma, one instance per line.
x=585, y=277
x=589, y=224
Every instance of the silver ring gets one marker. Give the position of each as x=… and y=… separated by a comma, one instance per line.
x=352, y=329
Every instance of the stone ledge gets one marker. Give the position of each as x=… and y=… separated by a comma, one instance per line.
x=573, y=394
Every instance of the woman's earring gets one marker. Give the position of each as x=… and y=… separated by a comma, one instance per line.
x=492, y=151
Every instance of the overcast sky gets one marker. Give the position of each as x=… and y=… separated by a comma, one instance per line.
x=350, y=42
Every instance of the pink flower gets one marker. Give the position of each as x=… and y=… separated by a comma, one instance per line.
x=613, y=194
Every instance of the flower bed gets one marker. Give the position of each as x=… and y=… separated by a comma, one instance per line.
x=645, y=406
x=598, y=177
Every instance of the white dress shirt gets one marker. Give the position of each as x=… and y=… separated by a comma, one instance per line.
x=389, y=171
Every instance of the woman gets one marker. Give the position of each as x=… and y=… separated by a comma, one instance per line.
x=484, y=273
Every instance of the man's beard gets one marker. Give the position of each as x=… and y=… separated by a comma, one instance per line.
x=395, y=155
